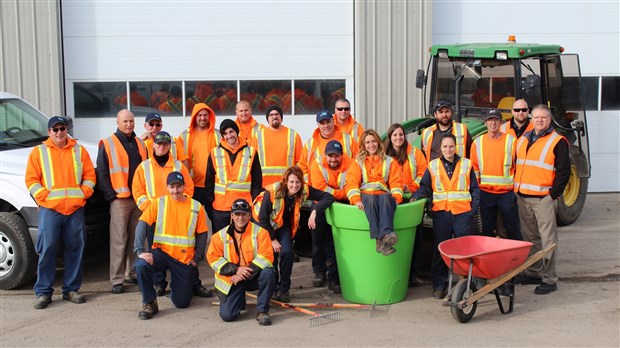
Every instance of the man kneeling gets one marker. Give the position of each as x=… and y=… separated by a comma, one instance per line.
x=242, y=257
x=179, y=240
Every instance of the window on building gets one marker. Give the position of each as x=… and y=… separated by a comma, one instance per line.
x=98, y=99
x=610, y=93
x=589, y=89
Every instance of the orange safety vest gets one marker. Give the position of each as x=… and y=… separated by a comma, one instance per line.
x=149, y=181
x=118, y=163
x=506, y=127
x=330, y=180
x=277, y=213
x=410, y=174
x=249, y=132
x=351, y=126
x=371, y=187
x=535, y=167
x=65, y=194
x=313, y=150
x=178, y=244
x=186, y=138
x=451, y=194
x=232, y=181
x=458, y=129
x=493, y=163
x=259, y=244
x=274, y=161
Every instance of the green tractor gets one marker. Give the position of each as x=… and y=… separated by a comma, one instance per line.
x=476, y=77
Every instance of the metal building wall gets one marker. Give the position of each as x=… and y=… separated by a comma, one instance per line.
x=391, y=42
x=30, y=55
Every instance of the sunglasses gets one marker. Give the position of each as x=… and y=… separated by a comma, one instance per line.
x=240, y=205
x=341, y=109
x=59, y=129
x=155, y=124
x=521, y=109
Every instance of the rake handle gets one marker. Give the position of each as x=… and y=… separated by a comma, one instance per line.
x=286, y=305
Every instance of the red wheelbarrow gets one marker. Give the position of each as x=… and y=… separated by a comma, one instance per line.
x=495, y=260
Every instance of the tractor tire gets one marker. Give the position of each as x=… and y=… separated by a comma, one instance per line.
x=18, y=259
x=571, y=203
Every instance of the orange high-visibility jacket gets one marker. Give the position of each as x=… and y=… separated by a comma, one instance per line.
x=493, y=161
x=331, y=180
x=535, y=169
x=61, y=179
x=254, y=246
x=277, y=150
x=232, y=180
x=375, y=176
x=198, y=144
x=276, y=216
x=314, y=148
x=415, y=164
x=451, y=194
x=176, y=225
x=458, y=129
x=173, y=105
x=118, y=163
x=506, y=127
x=176, y=148
x=350, y=126
x=149, y=181
x=248, y=131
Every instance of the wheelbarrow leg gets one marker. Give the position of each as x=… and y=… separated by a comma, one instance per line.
x=511, y=296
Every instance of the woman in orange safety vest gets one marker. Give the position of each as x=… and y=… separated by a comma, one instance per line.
x=451, y=181
x=374, y=186
x=277, y=209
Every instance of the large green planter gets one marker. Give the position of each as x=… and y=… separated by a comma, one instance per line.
x=366, y=276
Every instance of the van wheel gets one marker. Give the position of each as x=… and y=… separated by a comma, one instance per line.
x=18, y=259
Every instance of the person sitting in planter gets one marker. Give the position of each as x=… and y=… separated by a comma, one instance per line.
x=374, y=185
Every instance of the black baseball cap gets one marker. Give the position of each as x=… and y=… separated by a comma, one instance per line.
x=240, y=205
x=175, y=177
x=493, y=113
x=56, y=120
x=333, y=146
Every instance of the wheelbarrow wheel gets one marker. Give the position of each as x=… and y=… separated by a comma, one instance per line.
x=459, y=293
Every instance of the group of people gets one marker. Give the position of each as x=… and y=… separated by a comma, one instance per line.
x=251, y=180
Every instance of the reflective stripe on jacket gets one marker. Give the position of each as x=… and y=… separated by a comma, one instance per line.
x=276, y=217
x=535, y=169
x=375, y=175
x=277, y=150
x=119, y=164
x=178, y=244
x=459, y=130
x=493, y=161
x=232, y=181
x=149, y=181
x=451, y=194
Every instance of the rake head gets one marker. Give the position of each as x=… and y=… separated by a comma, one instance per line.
x=324, y=319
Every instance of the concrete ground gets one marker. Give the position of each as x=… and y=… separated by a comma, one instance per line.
x=585, y=311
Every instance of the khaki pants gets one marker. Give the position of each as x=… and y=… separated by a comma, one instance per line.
x=124, y=215
x=538, y=225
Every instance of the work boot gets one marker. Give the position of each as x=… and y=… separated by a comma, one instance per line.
x=118, y=289
x=202, y=292
x=379, y=245
x=335, y=287
x=283, y=296
x=390, y=239
x=160, y=290
x=148, y=310
x=387, y=250
x=319, y=280
x=74, y=297
x=263, y=319
x=544, y=289
x=42, y=301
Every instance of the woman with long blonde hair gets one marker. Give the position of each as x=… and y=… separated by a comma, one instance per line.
x=374, y=186
x=277, y=209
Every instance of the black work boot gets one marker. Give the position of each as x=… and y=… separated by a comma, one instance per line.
x=148, y=310
x=319, y=280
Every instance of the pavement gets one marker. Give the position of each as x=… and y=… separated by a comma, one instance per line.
x=583, y=312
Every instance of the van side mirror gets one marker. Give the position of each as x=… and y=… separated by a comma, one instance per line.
x=420, y=79
x=531, y=85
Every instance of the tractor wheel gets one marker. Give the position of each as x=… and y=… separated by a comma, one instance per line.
x=571, y=203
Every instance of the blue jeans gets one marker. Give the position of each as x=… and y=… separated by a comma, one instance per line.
x=181, y=278
x=379, y=211
x=55, y=227
x=234, y=302
x=506, y=204
x=323, y=251
x=286, y=256
x=445, y=226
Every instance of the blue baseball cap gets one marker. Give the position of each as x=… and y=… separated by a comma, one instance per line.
x=324, y=115
x=333, y=146
x=152, y=116
x=56, y=120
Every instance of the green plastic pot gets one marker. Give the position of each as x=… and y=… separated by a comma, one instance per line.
x=366, y=276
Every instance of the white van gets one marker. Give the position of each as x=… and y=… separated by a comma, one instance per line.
x=23, y=127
